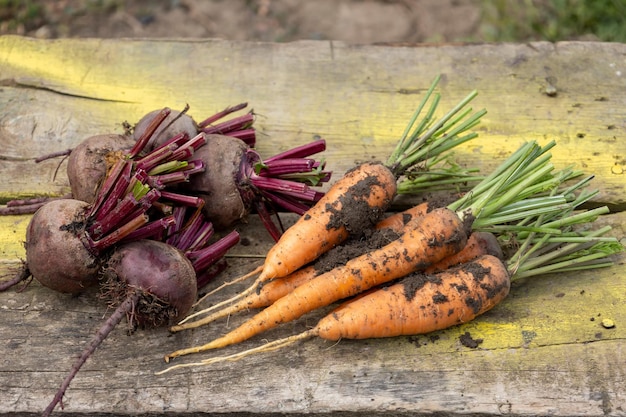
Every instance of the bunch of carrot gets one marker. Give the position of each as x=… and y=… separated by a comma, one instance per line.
x=522, y=200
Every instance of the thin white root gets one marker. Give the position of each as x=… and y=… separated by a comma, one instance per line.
x=224, y=285
x=268, y=347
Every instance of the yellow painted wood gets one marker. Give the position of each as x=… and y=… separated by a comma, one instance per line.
x=543, y=351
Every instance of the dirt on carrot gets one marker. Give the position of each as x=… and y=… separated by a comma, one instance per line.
x=361, y=215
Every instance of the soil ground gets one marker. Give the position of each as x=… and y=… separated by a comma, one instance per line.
x=352, y=21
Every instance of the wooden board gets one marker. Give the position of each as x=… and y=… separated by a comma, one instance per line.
x=544, y=350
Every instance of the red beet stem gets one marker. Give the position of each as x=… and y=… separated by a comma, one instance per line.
x=247, y=136
x=114, y=319
x=191, y=146
x=217, y=116
x=186, y=200
x=292, y=188
x=288, y=203
x=204, y=258
x=237, y=123
x=153, y=230
x=206, y=276
x=266, y=218
x=109, y=184
x=195, y=234
x=147, y=134
x=118, y=234
x=301, y=151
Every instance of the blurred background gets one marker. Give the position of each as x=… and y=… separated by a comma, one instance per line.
x=352, y=21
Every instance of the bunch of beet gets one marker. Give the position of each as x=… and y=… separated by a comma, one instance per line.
x=145, y=207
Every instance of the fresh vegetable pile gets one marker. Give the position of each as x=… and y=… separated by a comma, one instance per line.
x=154, y=212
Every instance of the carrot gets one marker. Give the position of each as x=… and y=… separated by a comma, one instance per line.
x=359, y=199
x=417, y=304
x=428, y=239
x=544, y=231
x=478, y=244
x=397, y=221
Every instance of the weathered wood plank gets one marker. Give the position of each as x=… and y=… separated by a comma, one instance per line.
x=544, y=350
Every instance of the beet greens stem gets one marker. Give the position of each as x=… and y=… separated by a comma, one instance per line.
x=114, y=319
x=228, y=110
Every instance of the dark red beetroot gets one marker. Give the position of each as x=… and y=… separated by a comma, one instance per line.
x=153, y=283
x=237, y=181
x=179, y=122
x=55, y=253
x=89, y=161
x=175, y=123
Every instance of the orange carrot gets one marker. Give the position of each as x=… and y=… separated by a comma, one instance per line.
x=427, y=239
x=367, y=189
x=479, y=243
x=397, y=221
x=417, y=304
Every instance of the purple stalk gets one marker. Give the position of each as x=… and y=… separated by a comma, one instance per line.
x=289, y=204
x=237, y=123
x=247, y=136
x=109, y=183
x=154, y=158
x=286, y=166
x=266, y=218
x=204, y=258
x=118, y=234
x=195, y=234
x=217, y=116
x=292, y=188
x=153, y=230
x=188, y=148
x=206, y=276
x=186, y=200
x=147, y=134
x=302, y=151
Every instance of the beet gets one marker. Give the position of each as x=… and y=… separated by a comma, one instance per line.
x=56, y=254
x=220, y=186
x=89, y=161
x=179, y=122
x=175, y=123
x=237, y=181
x=165, y=276
x=152, y=283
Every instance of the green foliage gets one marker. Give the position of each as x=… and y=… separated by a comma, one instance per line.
x=553, y=20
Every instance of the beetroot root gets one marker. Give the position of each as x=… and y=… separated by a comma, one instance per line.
x=89, y=161
x=55, y=253
x=237, y=181
x=163, y=273
x=175, y=123
x=153, y=284
x=218, y=185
